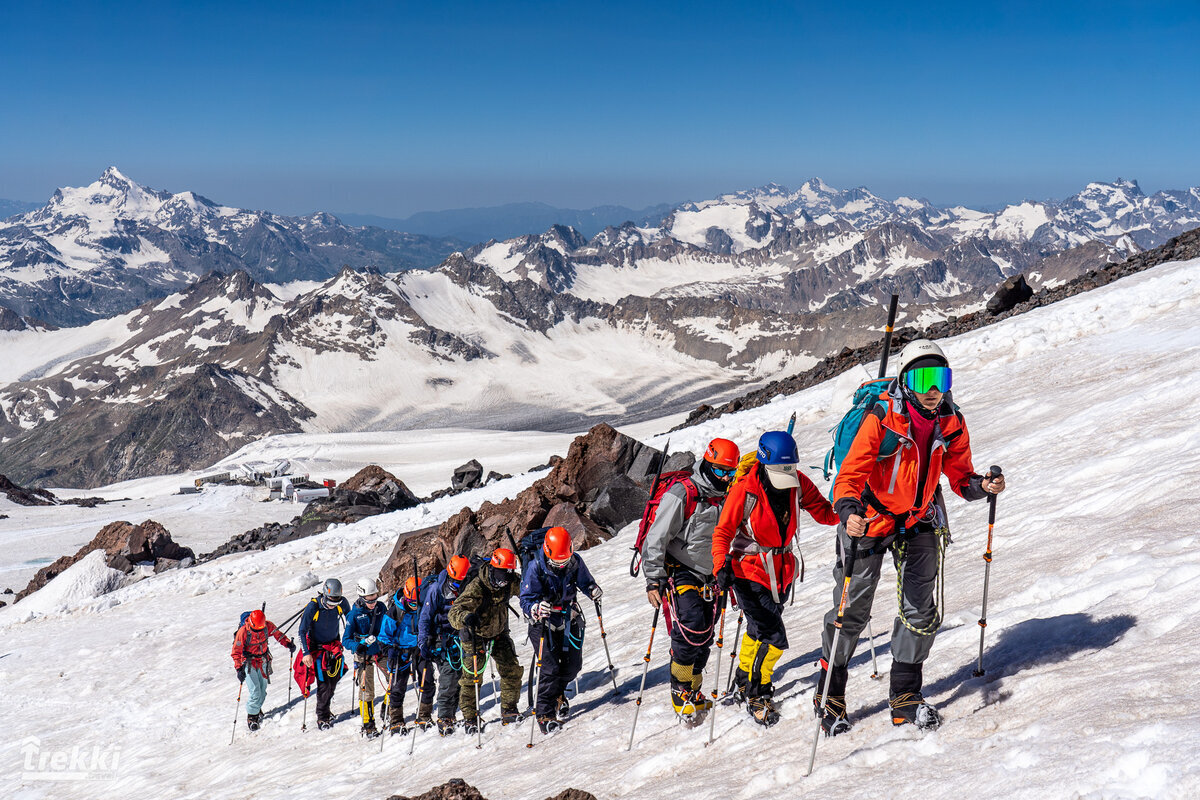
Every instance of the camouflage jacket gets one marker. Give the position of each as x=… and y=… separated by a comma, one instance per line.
x=490, y=606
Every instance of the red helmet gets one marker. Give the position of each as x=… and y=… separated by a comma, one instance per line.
x=722, y=453
x=412, y=587
x=258, y=620
x=557, y=545
x=504, y=558
x=458, y=566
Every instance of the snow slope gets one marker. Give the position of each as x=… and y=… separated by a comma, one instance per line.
x=1088, y=693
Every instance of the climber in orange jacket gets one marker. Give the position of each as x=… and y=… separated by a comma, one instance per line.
x=753, y=540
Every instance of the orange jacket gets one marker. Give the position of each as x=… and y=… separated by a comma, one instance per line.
x=251, y=645
x=892, y=482
x=749, y=530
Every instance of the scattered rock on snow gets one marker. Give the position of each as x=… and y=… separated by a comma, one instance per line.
x=468, y=476
x=26, y=497
x=1013, y=291
x=454, y=789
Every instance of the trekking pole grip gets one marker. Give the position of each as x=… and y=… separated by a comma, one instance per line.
x=993, y=472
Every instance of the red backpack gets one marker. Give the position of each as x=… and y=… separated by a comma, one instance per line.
x=665, y=482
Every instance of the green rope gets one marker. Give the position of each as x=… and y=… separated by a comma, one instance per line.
x=943, y=537
x=486, y=653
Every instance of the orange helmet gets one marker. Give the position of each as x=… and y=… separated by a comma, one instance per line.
x=557, y=545
x=504, y=558
x=412, y=588
x=258, y=620
x=458, y=566
x=722, y=453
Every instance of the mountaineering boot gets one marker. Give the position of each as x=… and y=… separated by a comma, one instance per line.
x=397, y=728
x=396, y=719
x=369, y=731
x=445, y=727
x=324, y=724
x=562, y=709
x=424, y=716
x=254, y=721
x=509, y=716
x=762, y=709
x=548, y=724
x=834, y=720
x=470, y=725
x=905, y=699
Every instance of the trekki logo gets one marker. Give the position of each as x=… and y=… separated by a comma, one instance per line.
x=80, y=763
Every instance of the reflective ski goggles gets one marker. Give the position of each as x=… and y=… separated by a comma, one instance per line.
x=724, y=472
x=922, y=379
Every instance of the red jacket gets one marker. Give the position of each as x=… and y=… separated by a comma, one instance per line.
x=749, y=530
x=893, y=481
x=251, y=645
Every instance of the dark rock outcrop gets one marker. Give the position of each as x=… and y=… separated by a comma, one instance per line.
x=468, y=476
x=1013, y=291
x=458, y=789
x=601, y=486
x=26, y=497
x=125, y=546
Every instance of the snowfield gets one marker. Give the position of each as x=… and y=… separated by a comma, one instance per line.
x=1089, y=689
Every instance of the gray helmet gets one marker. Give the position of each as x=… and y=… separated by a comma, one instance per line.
x=332, y=589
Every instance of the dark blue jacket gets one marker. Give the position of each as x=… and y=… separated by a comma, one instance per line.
x=434, y=627
x=399, y=624
x=361, y=623
x=558, y=586
x=319, y=625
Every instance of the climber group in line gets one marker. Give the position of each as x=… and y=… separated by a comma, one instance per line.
x=712, y=539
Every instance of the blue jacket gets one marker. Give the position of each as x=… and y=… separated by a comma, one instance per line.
x=433, y=627
x=558, y=586
x=319, y=625
x=399, y=624
x=363, y=622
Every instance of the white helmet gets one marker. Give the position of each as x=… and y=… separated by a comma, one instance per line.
x=915, y=351
x=367, y=586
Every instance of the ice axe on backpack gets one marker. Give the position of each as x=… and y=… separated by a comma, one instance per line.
x=993, y=472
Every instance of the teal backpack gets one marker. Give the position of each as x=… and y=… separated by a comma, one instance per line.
x=865, y=398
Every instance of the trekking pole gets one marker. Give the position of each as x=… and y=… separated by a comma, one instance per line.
x=537, y=677
x=712, y=718
x=495, y=687
x=887, y=335
x=420, y=693
x=387, y=703
x=993, y=472
x=612, y=671
x=837, y=634
x=476, y=679
x=737, y=637
x=645, y=669
x=236, y=712
x=871, y=641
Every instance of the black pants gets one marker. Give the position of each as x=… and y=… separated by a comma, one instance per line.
x=692, y=629
x=764, y=641
x=562, y=658
x=401, y=669
x=329, y=672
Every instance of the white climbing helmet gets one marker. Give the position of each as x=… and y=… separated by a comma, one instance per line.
x=915, y=351
x=367, y=586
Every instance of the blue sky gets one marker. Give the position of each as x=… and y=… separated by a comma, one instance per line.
x=392, y=108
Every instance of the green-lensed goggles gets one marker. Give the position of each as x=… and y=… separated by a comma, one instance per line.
x=922, y=379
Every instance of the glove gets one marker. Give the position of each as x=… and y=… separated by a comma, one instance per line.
x=725, y=575
x=542, y=610
x=426, y=652
x=597, y=593
x=466, y=636
x=471, y=621
x=369, y=640
x=241, y=673
x=361, y=649
x=291, y=647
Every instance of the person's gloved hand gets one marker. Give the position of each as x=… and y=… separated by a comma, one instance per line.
x=241, y=673
x=466, y=636
x=541, y=611
x=291, y=646
x=725, y=575
x=471, y=621
x=597, y=592
x=361, y=649
x=369, y=640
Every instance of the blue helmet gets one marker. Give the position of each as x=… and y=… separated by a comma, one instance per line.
x=777, y=447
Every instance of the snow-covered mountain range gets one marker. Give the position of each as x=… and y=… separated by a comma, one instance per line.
x=102, y=249
x=552, y=331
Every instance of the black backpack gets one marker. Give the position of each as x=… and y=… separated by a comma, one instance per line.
x=529, y=546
